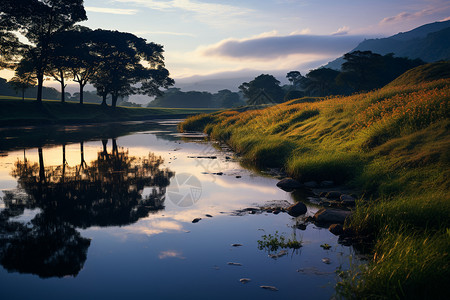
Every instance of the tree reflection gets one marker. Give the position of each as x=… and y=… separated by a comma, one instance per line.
x=107, y=192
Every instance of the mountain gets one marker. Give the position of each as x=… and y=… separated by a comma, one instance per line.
x=430, y=42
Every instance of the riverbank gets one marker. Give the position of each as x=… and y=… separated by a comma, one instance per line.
x=393, y=145
x=15, y=112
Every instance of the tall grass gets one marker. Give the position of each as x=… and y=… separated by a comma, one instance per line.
x=393, y=145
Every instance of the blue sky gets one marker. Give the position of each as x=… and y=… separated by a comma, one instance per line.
x=203, y=37
x=236, y=40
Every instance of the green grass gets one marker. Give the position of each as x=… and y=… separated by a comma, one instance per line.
x=393, y=145
x=14, y=111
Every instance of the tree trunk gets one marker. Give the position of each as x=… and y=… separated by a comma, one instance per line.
x=63, y=96
x=104, y=100
x=114, y=100
x=23, y=94
x=115, y=149
x=81, y=93
x=63, y=175
x=40, y=79
x=41, y=166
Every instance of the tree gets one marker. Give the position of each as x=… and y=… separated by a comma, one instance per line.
x=227, y=99
x=364, y=70
x=10, y=47
x=295, y=78
x=81, y=59
x=321, y=82
x=39, y=21
x=58, y=66
x=176, y=98
x=263, y=82
x=22, y=82
x=127, y=60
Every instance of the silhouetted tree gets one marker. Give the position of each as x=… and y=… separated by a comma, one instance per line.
x=127, y=60
x=39, y=21
x=22, y=82
x=321, y=82
x=364, y=70
x=263, y=82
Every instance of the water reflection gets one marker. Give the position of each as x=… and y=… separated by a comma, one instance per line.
x=109, y=191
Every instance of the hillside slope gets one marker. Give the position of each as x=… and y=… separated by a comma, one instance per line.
x=393, y=144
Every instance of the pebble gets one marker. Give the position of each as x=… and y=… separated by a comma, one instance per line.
x=269, y=287
x=326, y=260
x=196, y=220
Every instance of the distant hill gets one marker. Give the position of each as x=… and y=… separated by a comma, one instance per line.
x=424, y=73
x=47, y=92
x=430, y=42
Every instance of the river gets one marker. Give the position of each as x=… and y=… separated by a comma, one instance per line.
x=106, y=212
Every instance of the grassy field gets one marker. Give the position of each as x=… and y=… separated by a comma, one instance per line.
x=14, y=111
x=393, y=145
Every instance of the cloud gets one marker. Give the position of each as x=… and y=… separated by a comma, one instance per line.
x=342, y=31
x=164, y=33
x=302, y=32
x=115, y=11
x=272, y=47
x=189, y=5
x=170, y=254
x=404, y=16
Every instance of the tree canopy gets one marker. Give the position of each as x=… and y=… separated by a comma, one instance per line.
x=263, y=82
x=39, y=21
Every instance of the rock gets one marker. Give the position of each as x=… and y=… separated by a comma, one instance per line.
x=330, y=215
x=326, y=183
x=245, y=280
x=238, y=176
x=311, y=184
x=236, y=245
x=269, y=287
x=279, y=254
x=297, y=209
x=301, y=226
x=322, y=194
x=348, y=200
x=234, y=264
x=208, y=215
x=336, y=229
x=196, y=220
x=289, y=184
x=326, y=260
x=276, y=212
x=218, y=173
x=333, y=195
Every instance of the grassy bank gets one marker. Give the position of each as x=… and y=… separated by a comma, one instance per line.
x=14, y=111
x=393, y=145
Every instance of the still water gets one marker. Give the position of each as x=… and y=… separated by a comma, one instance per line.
x=106, y=211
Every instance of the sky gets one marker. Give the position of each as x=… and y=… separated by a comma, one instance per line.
x=203, y=37
x=207, y=38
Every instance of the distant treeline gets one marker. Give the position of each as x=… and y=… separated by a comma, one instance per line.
x=173, y=97
x=361, y=71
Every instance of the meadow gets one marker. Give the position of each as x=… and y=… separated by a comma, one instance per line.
x=390, y=144
x=15, y=111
